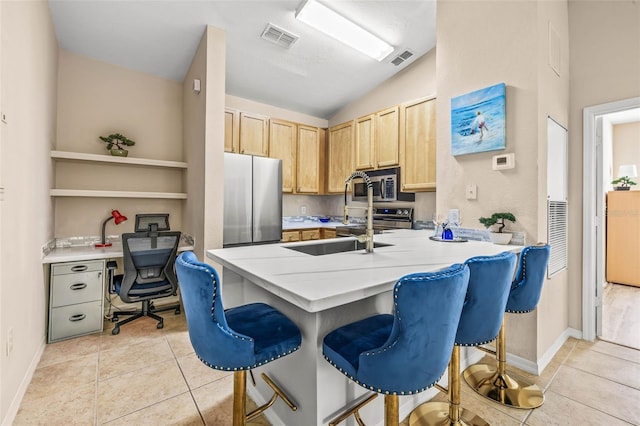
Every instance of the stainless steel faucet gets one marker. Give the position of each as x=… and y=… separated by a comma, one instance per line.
x=368, y=237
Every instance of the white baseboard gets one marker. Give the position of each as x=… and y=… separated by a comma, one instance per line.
x=546, y=358
x=22, y=389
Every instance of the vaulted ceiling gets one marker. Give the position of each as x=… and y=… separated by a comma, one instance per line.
x=317, y=75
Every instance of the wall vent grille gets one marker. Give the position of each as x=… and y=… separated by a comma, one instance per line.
x=402, y=57
x=557, y=236
x=279, y=36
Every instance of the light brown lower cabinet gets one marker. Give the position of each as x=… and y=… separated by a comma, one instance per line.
x=623, y=237
x=291, y=235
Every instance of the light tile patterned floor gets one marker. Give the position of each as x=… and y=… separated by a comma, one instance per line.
x=146, y=376
x=620, y=314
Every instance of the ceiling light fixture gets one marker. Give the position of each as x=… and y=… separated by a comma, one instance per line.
x=337, y=26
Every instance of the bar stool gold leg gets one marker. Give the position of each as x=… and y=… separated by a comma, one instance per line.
x=391, y=410
x=443, y=414
x=495, y=384
x=239, y=397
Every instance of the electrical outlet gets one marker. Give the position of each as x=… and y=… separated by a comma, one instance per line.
x=454, y=216
x=303, y=210
x=9, y=340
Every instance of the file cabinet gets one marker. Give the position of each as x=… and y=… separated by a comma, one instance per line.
x=76, y=297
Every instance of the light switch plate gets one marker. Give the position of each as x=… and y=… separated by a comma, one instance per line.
x=471, y=192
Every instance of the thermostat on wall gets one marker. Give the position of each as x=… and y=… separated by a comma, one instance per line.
x=504, y=161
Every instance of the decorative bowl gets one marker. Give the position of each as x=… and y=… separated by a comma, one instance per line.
x=324, y=219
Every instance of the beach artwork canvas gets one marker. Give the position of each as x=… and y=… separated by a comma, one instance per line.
x=478, y=121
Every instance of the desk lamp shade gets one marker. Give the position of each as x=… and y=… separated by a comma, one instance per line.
x=628, y=170
x=118, y=219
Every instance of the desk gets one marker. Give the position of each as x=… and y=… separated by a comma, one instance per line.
x=77, y=286
x=321, y=293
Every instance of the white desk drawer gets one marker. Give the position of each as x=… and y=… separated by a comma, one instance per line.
x=77, y=267
x=74, y=288
x=75, y=320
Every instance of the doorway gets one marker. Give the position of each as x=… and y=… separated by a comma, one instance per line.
x=596, y=121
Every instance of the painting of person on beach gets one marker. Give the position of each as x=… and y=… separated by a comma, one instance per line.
x=478, y=121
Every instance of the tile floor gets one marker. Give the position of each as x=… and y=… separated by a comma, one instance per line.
x=146, y=376
x=620, y=314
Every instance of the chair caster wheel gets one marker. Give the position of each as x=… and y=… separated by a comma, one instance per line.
x=177, y=311
x=160, y=325
x=114, y=319
x=115, y=330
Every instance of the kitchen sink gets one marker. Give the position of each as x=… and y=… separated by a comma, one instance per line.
x=319, y=249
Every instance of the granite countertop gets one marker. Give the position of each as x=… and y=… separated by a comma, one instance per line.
x=316, y=283
x=310, y=222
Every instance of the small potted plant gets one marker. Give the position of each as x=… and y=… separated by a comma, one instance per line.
x=624, y=183
x=498, y=237
x=115, y=143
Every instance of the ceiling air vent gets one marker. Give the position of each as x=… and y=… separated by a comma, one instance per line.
x=279, y=36
x=402, y=57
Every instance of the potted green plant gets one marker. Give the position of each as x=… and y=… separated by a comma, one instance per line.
x=498, y=236
x=117, y=140
x=624, y=183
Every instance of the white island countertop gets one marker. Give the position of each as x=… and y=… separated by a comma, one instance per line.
x=316, y=283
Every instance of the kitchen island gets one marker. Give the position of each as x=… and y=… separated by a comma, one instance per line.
x=321, y=293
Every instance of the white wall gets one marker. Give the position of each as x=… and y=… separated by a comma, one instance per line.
x=28, y=77
x=626, y=149
x=481, y=44
x=95, y=99
x=203, y=142
x=605, y=67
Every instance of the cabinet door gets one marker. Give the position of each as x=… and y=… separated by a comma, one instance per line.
x=254, y=135
x=418, y=145
x=289, y=236
x=386, y=139
x=365, y=133
x=282, y=145
x=327, y=233
x=310, y=157
x=231, y=130
x=310, y=234
x=623, y=237
x=339, y=156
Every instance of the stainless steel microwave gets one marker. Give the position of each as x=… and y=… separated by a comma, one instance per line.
x=386, y=187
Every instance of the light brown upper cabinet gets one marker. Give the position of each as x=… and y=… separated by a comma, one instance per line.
x=339, y=156
x=282, y=145
x=376, y=140
x=418, y=145
x=254, y=134
x=231, y=130
x=386, y=139
x=310, y=160
x=365, y=132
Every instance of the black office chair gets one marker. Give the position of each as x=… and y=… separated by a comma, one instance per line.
x=149, y=260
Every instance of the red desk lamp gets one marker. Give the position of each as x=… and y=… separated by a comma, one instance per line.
x=115, y=214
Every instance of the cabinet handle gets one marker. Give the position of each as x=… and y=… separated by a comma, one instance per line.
x=78, y=286
x=77, y=317
x=79, y=268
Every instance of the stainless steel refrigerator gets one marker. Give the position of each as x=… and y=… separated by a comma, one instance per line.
x=252, y=200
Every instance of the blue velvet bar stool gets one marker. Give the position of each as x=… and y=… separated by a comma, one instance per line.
x=407, y=352
x=484, y=305
x=492, y=381
x=237, y=339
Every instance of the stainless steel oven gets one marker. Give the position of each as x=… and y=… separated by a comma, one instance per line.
x=384, y=218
